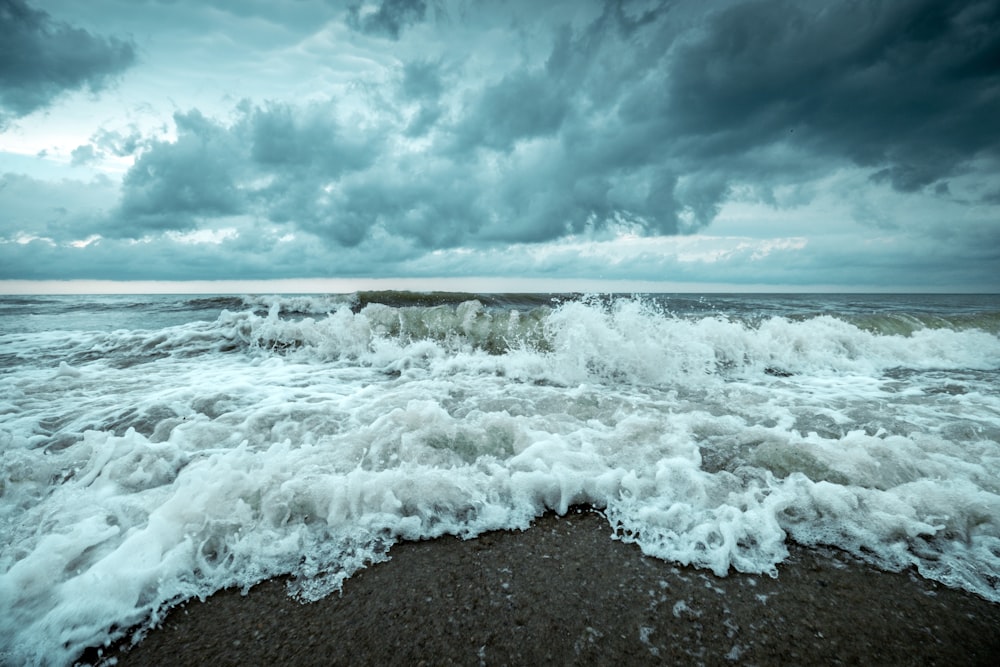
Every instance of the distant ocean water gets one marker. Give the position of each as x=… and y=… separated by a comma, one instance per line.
x=153, y=449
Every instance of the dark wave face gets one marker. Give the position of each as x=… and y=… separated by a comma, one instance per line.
x=170, y=446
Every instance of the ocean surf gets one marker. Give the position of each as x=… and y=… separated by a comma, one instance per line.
x=156, y=449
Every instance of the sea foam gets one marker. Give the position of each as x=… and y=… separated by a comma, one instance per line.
x=140, y=468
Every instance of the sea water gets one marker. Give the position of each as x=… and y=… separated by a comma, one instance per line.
x=155, y=449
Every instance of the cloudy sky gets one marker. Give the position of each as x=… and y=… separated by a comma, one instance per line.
x=772, y=144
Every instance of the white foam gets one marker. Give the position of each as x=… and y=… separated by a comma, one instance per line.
x=142, y=468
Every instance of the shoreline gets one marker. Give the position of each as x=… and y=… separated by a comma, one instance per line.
x=564, y=592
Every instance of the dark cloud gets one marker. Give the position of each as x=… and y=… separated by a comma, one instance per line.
x=764, y=94
x=422, y=80
x=276, y=162
x=172, y=183
x=633, y=119
x=423, y=120
x=422, y=84
x=63, y=211
x=900, y=87
x=389, y=19
x=41, y=58
x=524, y=105
x=598, y=166
x=302, y=138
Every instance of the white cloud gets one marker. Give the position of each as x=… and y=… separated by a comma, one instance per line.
x=204, y=236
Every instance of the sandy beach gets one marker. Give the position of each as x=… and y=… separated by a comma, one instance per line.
x=563, y=592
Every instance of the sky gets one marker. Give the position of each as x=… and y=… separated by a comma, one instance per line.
x=741, y=144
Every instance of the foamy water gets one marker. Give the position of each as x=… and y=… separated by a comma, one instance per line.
x=157, y=449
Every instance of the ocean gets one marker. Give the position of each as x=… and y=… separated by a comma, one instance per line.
x=159, y=448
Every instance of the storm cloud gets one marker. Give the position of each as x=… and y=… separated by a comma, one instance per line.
x=908, y=88
x=41, y=58
x=450, y=130
x=388, y=19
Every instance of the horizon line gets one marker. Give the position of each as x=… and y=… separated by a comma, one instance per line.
x=472, y=285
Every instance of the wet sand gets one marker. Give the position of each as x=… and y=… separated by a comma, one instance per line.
x=564, y=593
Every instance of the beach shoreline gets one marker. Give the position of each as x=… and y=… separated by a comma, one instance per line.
x=564, y=592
